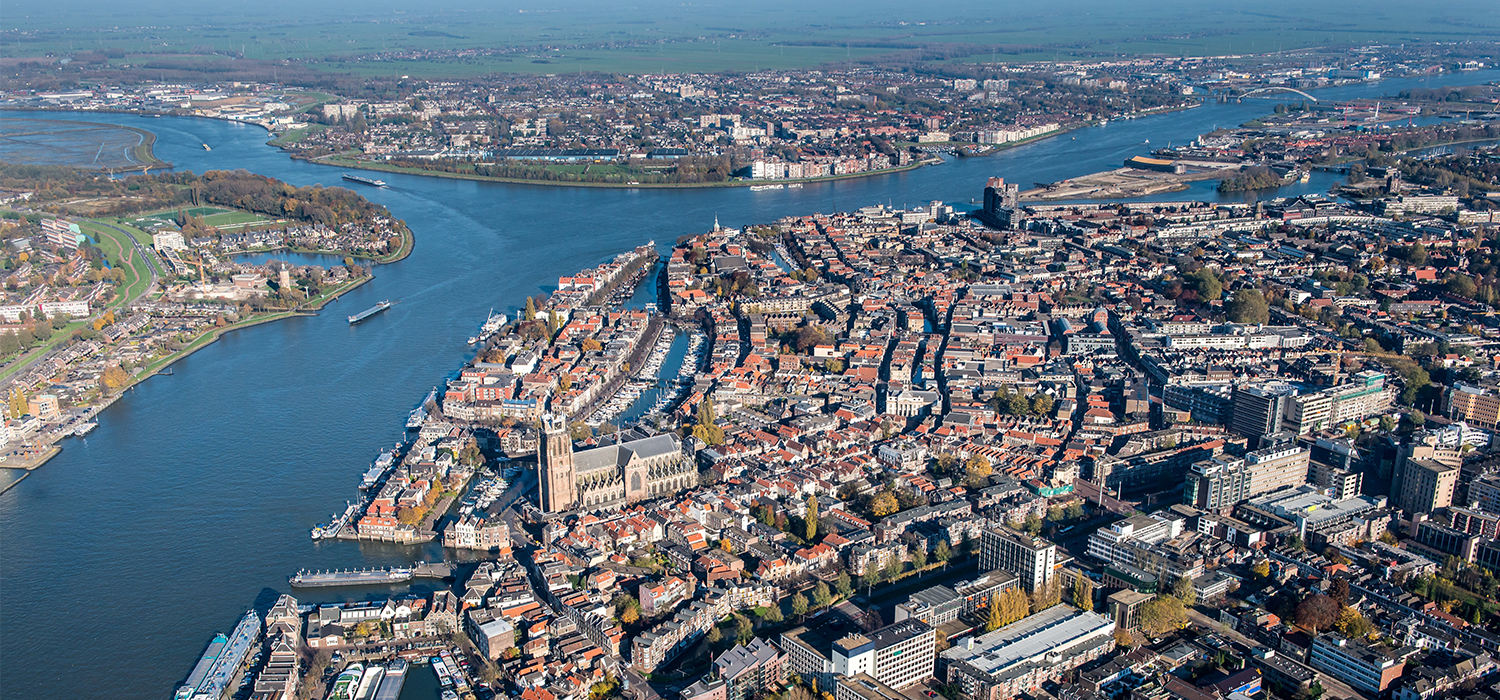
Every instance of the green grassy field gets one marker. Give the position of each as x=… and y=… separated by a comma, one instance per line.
x=121, y=254
x=661, y=36
x=212, y=216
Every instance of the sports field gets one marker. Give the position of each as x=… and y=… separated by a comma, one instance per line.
x=218, y=217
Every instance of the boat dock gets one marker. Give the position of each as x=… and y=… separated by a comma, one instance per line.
x=369, y=577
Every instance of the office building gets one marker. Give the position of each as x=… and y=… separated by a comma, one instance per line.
x=897, y=655
x=1426, y=485
x=1312, y=511
x=1275, y=468
x=1342, y=483
x=1031, y=559
x=940, y=605
x=1439, y=542
x=1420, y=488
x=1485, y=492
x=1217, y=484
x=1474, y=405
x=1260, y=409
x=1365, y=395
x=1474, y=522
x=1123, y=605
x=1362, y=666
x=1020, y=657
x=864, y=687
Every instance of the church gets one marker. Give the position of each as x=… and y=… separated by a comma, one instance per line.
x=609, y=477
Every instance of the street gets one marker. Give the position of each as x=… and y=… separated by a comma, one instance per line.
x=1332, y=687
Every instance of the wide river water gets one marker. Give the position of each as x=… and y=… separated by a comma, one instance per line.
x=193, y=499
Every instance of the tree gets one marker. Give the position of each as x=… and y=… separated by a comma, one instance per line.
x=1083, y=594
x=18, y=405
x=942, y=552
x=773, y=613
x=918, y=557
x=630, y=615
x=1183, y=589
x=1123, y=638
x=1338, y=590
x=1294, y=543
x=707, y=428
x=883, y=504
x=114, y=378
x=1074, y=511
x=893, y=567
x=744, y=629
x=1353, y=625
x=1161, y=615
x=1262, y=568
x=822, y=597
x=997, y=617
x=1033, y=524
x=978, y=469
x=799, y=605
x=1206, y=283
x=843, y=585
x=811, y=519
x=1041, y=404
x=1317, y=612
x=871, y=576
x=530, y=314
x=1248, y=306
x=1013, y=605
x=715, y=636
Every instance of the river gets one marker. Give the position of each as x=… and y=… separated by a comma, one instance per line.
x=193, y=499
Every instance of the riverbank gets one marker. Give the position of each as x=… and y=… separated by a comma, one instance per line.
x=341, y=161
x=34, y=456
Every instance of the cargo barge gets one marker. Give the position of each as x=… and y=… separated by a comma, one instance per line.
x=364, y=180
x=382, y=306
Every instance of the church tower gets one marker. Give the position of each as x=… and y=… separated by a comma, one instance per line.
x=556, y=477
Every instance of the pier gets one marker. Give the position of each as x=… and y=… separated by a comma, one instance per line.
x=369, y=577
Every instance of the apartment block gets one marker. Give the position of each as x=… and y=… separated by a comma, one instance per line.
x=1362, y=666
x=1031, y=559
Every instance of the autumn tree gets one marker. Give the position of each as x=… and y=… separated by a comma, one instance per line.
x=1317, y=612
x=1182, y=588
x=918, y=556
x=707, y=428
x=1083, y=594
x=843, y=585
x=18, y=405
x=883, y=504
x=114, y=378
x=1338, y=590
x=1353, y=625
x=942, y=552
x=1262, y=568
x=822, y=597
x=978, y=469
x=773, y=614
x=997, y=617
x=811, y=518
x=1161, y=615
